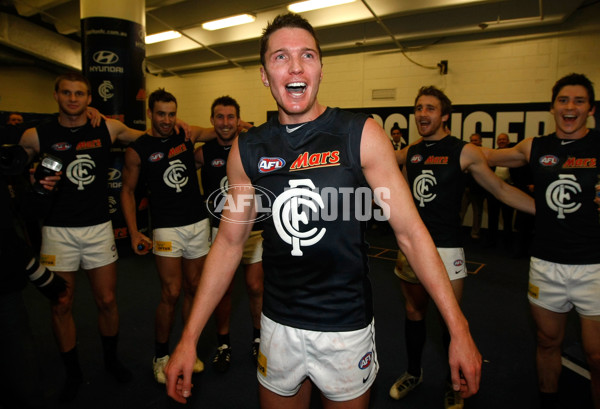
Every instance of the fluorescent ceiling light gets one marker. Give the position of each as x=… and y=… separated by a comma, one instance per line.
x=315, y=4
x=164, y=36
x=228, y=22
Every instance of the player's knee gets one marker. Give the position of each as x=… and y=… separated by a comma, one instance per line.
x=254, y=288
x=170, y=295
x=415, y=313
x=548, y=341
x=593, y=359
x=64, y=304
x=106, y=302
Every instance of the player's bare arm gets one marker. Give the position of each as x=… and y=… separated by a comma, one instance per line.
x=401, y=155
x=120, y=132
x=30, y=142
x=199, y=157
x=200, y=134
x=513, y=157
x=131, y=172
x=381, y=171
x=221, y=263
x=473, y=161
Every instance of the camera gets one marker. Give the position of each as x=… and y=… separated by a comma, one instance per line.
x=13, y=160
x=48, y=166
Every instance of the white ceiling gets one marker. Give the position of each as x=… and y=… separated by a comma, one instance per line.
x=47, y=31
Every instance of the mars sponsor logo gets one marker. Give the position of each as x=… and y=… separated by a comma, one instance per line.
x=578, y=163
x=156, y=156
x=83, y=145
x=266, y=164
x=217, y=163
x=61, y=146
x=366, y=360
x=436, y=160
x=316, y=160
x=177, y=150
x=416, y=159
x=548, y=160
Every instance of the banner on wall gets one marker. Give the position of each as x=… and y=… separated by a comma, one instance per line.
x=517, y=120
x=113, y=53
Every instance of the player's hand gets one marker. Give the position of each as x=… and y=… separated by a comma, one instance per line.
x=465, y=365
x=49, y=182
x=140, y=243
x=94, y=116
x=179, y=372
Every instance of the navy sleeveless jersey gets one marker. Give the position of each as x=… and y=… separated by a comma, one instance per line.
x=168, y=167
x=214, y=174
x=315, y=255
x=567, y=229
x=438, y=184
x=81, y=198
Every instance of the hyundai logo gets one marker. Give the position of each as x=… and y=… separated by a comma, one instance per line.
x=105, y=57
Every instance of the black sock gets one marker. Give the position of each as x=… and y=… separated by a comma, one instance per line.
x=415, y=333
x=549, y=400
x=74, y=376
x=161, y=349
x=111, y=362
x=256, y=333
x=223, y=339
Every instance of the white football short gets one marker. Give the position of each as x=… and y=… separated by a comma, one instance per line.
x=189, y=242
x=68, y=248
x=452, y=257
x=343, y=365
x=252, y=248
x=560, y=287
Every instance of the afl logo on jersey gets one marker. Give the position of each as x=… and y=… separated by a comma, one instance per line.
x=217, y=163
x=266, y=165
x=548, y=160
x=458, y=263
x=61, y=146
x=416, y=159
x=155, y=157
x=365, y=361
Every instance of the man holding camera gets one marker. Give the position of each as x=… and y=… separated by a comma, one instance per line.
x=19, y=386
x=77, y=230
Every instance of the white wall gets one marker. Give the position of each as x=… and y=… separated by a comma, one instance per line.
x=511, y=69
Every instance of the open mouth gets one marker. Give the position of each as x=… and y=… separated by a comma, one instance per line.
x=296, y=88
x=569, y=117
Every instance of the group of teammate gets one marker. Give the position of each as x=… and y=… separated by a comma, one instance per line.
x=312, y=309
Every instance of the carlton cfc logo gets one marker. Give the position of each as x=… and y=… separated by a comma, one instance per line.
x=266, y=165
